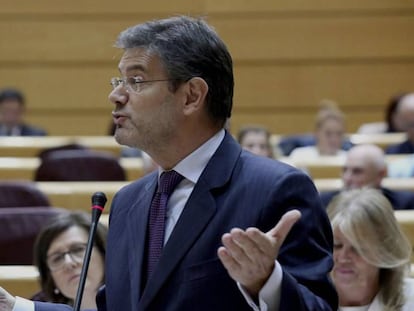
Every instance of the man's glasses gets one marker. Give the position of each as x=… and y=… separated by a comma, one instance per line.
x=132, y=84
x=56, y=261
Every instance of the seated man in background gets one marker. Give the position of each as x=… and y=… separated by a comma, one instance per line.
x=255, y=139
x=12, y=108
x=405, y=113
x=365, y=166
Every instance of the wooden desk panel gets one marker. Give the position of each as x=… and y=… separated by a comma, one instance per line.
x=24, y=168
x=381, y=140
x=327, y=167
x=32, y=146
x=77, y=195
x=20, y=280
x=331, y=184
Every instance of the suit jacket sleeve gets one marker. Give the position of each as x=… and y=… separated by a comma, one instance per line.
x=305, y=256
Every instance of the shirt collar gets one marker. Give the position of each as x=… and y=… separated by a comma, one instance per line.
x=193, y=165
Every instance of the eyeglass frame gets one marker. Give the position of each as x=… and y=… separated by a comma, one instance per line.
x=129, y=83
x=62, y=256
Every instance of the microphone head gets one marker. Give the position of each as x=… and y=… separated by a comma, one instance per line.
x=99, y=199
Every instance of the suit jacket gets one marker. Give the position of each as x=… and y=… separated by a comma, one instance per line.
x=403, y=148
x=398, y=199
x=236, y=189
x=28, y=130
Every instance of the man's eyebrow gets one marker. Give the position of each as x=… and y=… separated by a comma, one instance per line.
x=133, y=68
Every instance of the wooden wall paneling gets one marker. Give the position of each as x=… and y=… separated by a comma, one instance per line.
x=106, y=7
x=287, y=56
x=340, y=38
x=285, y=7
x=323, y=38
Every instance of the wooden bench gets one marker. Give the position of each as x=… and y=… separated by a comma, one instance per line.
x=77, y=195
x=31, y=146
x=382, y=140
x=332, y=184
x=328, y=166
x=20, y=280
x=24, y=167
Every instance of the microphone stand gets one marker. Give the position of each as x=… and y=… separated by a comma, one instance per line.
x=98, y=203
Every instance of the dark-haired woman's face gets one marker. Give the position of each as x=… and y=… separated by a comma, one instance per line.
x=64, y=259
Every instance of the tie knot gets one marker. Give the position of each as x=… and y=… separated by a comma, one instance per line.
x=168, y=181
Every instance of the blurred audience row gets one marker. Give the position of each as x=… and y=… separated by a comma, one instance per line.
x=328, y=138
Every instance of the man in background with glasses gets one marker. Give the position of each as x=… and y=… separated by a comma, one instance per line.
x=240, y=232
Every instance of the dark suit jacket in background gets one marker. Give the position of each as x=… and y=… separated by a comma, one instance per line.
x=398, y=199
x=29, y=130
x=403, y=148
x=236, y=189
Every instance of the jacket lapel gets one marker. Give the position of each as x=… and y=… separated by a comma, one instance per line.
x=137, y=227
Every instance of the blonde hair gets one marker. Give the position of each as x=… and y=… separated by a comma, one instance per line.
x=328, y=110
x=366, y=218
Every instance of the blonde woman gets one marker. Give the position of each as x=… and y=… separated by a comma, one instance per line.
x=329, y=134
x=371, y=254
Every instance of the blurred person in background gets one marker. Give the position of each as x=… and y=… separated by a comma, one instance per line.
x=405, y=113
x=392, y=123
x=329, y=134
x=255, y=139
x=12, y=109
x=365, y=166
x=59, y=252
x=371, y=254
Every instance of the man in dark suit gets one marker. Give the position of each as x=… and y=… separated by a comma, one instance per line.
x=365, y=166
x=241, y=231
x=12, y=108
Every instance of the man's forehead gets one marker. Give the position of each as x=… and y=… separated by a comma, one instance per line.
x=137, y=59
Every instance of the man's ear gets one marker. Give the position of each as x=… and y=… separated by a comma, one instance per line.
x=196, y=92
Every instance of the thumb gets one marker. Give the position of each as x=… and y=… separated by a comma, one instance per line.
x=285, y=224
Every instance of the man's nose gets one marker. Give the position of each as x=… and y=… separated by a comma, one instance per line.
x=118, y=96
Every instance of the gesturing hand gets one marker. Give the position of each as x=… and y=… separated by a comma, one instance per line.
x=249, y=255
x=6, y=300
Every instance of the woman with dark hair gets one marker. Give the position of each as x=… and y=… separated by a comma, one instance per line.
x=58, y=253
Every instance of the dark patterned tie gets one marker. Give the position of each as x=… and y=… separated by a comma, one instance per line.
x=156, y=224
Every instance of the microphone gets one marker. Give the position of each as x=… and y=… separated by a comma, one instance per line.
x=98, y=203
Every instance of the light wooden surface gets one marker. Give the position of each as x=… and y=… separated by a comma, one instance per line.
x=327, y=166
x=24, y=168
x=32, y=146
x=19, y=280
x=77, y=195
x=381, y=140
x=331, y=184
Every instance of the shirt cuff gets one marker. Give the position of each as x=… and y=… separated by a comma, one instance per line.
x=23, y=304
x=269, y=295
